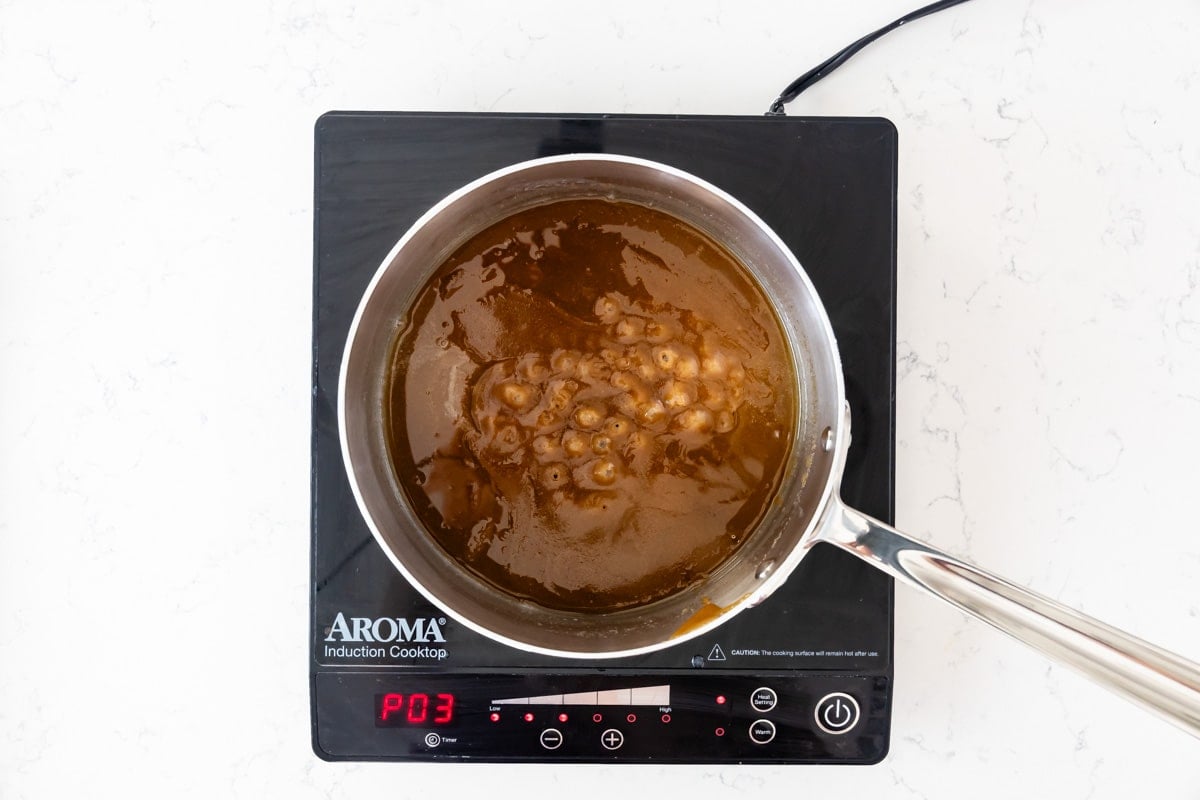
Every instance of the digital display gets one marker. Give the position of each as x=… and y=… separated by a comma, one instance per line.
x=397, y=710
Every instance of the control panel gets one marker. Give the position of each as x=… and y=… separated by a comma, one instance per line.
x=598, y=717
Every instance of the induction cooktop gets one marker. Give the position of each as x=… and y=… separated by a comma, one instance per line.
x=805, y=677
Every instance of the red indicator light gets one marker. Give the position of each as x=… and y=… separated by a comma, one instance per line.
x=597, y=717
x=495, y=717
x=666, y=717
x=528, y=717
x=720, y=699
x=631, y=718
x=562, y=717
x=719, y=731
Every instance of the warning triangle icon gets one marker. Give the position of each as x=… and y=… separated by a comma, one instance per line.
x=717, y=653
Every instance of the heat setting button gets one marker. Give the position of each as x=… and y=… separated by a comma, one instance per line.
x=763, y=699
x=551, y=738
x=836, y=713
x=762, y=731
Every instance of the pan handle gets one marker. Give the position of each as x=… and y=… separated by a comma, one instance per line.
x=1158, y=680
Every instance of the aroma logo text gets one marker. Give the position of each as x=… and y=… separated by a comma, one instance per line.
x=386, y=629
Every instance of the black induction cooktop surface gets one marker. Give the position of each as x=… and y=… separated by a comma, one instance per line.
x=386, y=663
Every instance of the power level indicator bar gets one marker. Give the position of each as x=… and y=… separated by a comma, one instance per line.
x=637, y=696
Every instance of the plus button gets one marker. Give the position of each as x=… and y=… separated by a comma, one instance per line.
x=612, y=739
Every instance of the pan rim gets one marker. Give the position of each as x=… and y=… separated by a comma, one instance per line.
x=821, y=324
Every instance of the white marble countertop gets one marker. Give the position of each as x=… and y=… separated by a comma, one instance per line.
x=155, y=266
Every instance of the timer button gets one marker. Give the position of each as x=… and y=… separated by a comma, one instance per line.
x=836, y=713
x=551, y=738
x=763, y=699
x=762, y=731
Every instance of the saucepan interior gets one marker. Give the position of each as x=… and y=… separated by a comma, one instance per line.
x=760, y=565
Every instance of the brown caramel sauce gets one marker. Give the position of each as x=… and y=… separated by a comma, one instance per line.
x=590, y=405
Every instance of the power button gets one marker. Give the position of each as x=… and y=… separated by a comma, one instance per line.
x=836, y=713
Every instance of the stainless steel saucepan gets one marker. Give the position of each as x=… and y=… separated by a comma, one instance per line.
x=809, y=508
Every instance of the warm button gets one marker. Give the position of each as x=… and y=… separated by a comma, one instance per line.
x=836, y=713
x=762, y=731
x=764, y=699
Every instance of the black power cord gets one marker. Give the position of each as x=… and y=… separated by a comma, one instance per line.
x=842, y=56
